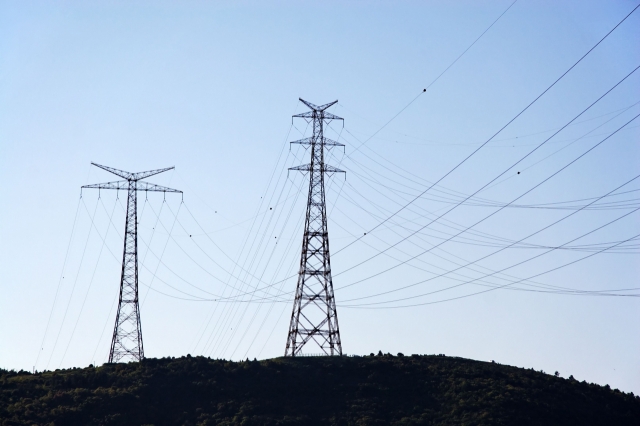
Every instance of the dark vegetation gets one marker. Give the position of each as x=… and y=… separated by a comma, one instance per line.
x=373, y=390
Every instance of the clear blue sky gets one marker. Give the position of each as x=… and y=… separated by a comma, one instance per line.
x=210, y=87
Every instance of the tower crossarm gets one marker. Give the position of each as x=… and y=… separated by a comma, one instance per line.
x=117, y=172
x=144, y=175
x=317, y=108
x=152, y=187
x=324, y=141
x=140, y=186
x=132, y=176
x=121, y=184
x=327, y=116
x=325, y=168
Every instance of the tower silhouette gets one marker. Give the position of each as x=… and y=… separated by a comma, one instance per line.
x=314, y=317
x=127, y=333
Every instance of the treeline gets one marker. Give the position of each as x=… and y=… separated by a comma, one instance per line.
x=370, y=390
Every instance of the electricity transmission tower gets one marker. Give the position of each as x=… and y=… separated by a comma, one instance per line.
x=127, y=333
x=314, y=317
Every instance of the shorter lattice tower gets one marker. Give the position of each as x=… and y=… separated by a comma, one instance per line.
x=126, y=343
x=314, y=317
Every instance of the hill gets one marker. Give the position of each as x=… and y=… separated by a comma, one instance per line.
x=371, y=390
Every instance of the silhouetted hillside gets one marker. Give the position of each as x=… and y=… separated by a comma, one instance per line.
x=373, y=390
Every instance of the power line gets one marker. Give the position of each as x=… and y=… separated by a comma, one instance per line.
x=244, y=245
x=75, y=281
x=480, y=200
x=528, y=278
x=563, y=205
x=595, y=200
x=436, y=79
x=64, y=264
x=153, y=277
x=499, y=131
x=448, y=143
x=223, y=339
x=573, y=161
x=510, y=245
x=550, y=288
x=493, y=180
x=93, y=275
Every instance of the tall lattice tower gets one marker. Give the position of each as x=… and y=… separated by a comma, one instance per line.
x=314, y=317
x=126, y=343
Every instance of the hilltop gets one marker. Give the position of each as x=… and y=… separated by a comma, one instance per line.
x=370, y=390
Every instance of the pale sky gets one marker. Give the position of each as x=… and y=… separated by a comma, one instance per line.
x=210, y=88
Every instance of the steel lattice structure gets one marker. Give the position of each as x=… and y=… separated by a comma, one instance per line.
x=314, y=317
x=127, y=333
